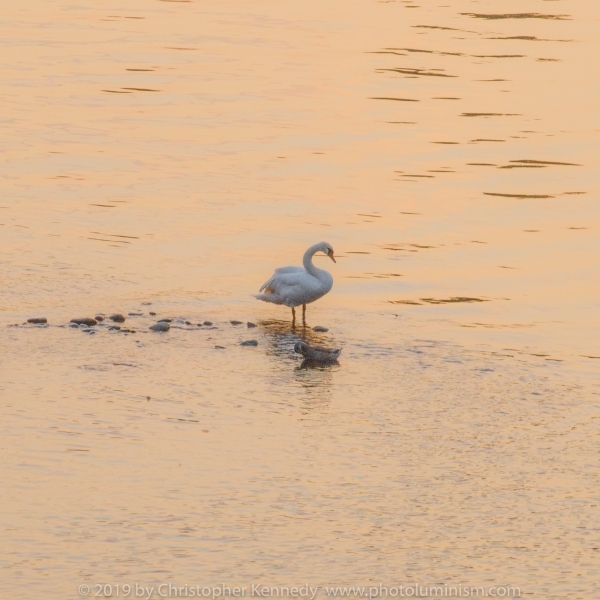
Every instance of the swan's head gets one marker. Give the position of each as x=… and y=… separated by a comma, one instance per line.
x=327, y=249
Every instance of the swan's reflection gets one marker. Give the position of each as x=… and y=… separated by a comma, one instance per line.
x=315, y=377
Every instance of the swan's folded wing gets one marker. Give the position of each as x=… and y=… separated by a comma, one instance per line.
x=281, y=271
x=294, y=288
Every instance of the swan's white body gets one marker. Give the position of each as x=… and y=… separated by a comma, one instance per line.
x=293, y=286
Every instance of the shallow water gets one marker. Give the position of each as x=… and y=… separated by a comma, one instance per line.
x=165, y=157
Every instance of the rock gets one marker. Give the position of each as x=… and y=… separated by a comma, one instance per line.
x=135, y=314
x=179, y=321
x=250, y=325
x=320, y=329
x=152, y=314
x=160, y=326
x=207, y=323
x=220, y=347
x=117, y=318
x=85, y=321
x=88, y=330
x=249, y=343
x=99, y=318
x=164, y=320
x=114, y=328
x=74, y=325
x=235, y=322
x=37, y=320
x=188, y=323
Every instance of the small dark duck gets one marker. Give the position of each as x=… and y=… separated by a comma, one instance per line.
x=317, y=354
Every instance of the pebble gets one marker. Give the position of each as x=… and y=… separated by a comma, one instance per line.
x=37, y=320
x=220, y=347
x=207, y=323
x=235, y=322
x=165, y=320
x=152, y=314
x=85, y=321
x=74, y=325
x=160, y=326
x=117, y=318
x=99, y=318
x=250, y=325
x=114, y=328
x=188, y=323
x=320, y=329
x=249, y=343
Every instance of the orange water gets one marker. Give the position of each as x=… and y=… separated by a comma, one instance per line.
x=166, y=157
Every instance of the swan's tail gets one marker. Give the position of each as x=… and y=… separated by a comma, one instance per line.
x=274, y=298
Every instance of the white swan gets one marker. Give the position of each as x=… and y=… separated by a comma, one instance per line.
x=294, y=286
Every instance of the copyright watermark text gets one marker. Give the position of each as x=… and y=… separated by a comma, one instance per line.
x=303, y=592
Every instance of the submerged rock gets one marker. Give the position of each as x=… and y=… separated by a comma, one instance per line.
x=235, y=322
x=74, y=325
x=37, y=320
x=117, y=318
x=207, y=323
x=160, y=326
x=99, y=318
x=164, y=320
x=88, y=330
x=320, y=329
x=85, y=321
x=135, y=314
x=249, y=343
x=152, y=314
x=114, y=328
x=250, y=325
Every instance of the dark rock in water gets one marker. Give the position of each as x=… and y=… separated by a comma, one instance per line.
x=160, y=326
x=320, y=329
x=74, y=325
x=164, y=320
x=127, y=330
x=249, y=343
x=220, y=347
x=188, y=323
x=250, y=325
x=88, y=330
x=37, y=320
x=117, y=318
x=207, y=323
x=152, y=314
x=114, y=328
x=85, y=321
x=235, y=322
x=135, y=314
x=99, y=318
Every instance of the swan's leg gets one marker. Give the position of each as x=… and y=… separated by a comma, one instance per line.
x=293, y=317
x=304, y=314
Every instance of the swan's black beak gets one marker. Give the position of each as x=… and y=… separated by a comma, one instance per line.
x=330, y=254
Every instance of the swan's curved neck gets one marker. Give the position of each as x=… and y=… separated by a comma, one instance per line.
x=307, y=260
